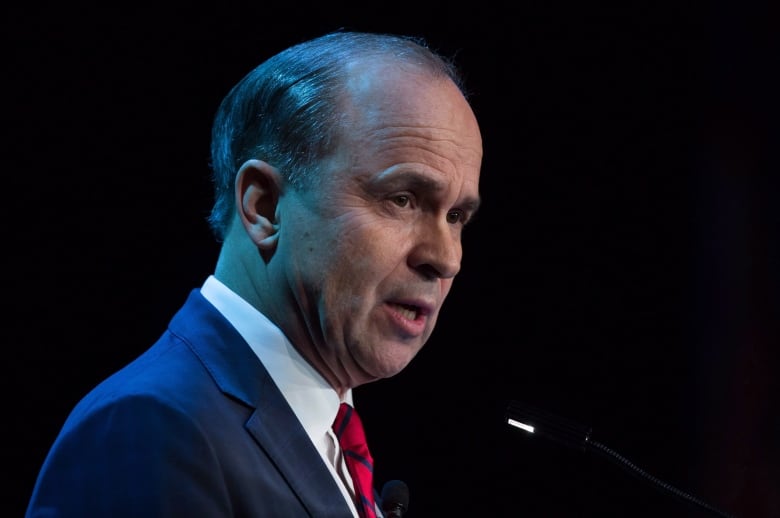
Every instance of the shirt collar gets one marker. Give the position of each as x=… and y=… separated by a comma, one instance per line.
x=311, y=398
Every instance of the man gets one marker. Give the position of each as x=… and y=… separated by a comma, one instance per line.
x=345, y=169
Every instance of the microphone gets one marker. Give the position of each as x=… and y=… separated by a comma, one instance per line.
x=395, y=499
x=543, y=424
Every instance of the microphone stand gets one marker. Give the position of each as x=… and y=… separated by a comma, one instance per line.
x=569, y=433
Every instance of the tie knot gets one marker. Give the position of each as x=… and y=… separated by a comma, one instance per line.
x=349, y=428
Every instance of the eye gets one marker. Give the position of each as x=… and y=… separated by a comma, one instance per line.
x=456, y=216
x=402, y=200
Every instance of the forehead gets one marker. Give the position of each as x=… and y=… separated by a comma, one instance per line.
x=402, y=91
x=396, y=108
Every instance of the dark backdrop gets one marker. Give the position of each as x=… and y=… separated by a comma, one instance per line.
x=623, y=272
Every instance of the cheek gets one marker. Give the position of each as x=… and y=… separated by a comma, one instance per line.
x=354, y=265
x=354, y=251
x=361, y=241
x=351, y=269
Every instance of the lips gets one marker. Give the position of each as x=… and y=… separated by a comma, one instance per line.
x=409, y=314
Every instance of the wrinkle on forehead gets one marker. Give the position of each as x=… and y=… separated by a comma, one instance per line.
x=405, y=106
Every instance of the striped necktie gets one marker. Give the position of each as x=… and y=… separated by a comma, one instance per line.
x=352, y=438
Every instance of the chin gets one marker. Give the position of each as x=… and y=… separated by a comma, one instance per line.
x=392, y=365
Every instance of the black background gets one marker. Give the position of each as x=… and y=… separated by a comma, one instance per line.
x=623, y=271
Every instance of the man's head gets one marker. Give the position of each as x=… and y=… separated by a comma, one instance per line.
x=345, y=169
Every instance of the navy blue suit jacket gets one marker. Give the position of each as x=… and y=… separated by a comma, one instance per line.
x=194, y=427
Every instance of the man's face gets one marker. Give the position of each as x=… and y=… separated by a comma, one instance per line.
x=371, y=253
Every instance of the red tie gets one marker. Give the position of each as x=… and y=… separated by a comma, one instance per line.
x=352, y=438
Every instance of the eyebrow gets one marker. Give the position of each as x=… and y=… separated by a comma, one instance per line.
x=425, y=182
x=471, y=204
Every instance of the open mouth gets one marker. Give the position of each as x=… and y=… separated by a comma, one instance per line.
x=407, y=311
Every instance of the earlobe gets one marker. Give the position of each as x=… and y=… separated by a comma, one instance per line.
x=258, y=188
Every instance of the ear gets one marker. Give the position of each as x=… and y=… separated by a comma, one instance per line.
x=258, y=188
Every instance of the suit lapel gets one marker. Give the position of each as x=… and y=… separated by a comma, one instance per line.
x=240, y=374
x=278, y=432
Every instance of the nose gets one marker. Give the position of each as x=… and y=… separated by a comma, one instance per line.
x=438, y=251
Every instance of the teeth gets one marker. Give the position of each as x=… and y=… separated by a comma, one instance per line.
x=407, y=313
